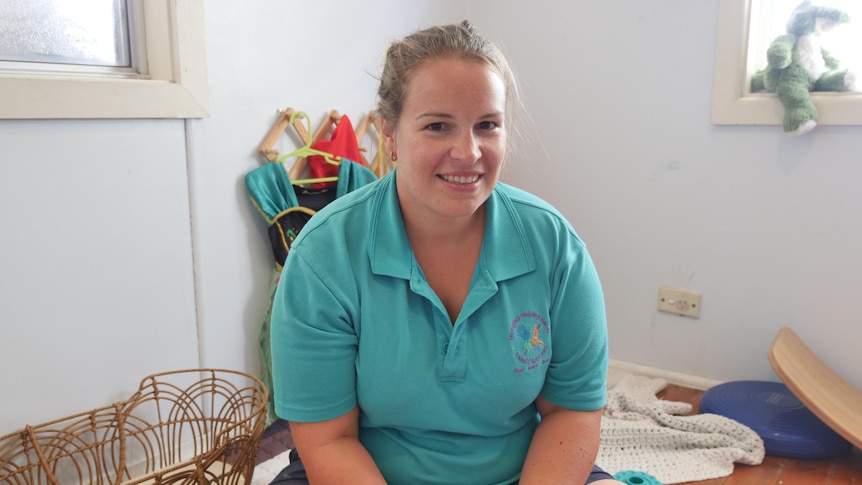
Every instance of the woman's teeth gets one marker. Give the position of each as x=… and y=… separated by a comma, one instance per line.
x=460, y=180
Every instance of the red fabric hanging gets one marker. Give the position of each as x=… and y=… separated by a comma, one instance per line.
x=343, y=144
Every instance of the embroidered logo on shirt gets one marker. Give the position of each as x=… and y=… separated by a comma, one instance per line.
x=527, y=335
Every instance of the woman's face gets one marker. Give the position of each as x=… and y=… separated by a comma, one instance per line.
x=450, y=140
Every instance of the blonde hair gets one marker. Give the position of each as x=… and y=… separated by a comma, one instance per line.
x=460, y=40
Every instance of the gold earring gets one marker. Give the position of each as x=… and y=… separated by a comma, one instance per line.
x=393, y=156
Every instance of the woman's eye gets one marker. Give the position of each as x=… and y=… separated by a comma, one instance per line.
x=487, y=125
x=435, y=127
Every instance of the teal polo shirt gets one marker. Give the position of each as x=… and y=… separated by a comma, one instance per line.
x=355, y=322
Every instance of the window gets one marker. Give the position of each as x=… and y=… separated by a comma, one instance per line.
x=770, y=21
x=159, y=73
x=745, y=29
x=61, y=33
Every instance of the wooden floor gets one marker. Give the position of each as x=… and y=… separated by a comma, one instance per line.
x=843, y=470
x=276, y=440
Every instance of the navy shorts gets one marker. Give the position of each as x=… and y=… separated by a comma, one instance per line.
x=294, y=473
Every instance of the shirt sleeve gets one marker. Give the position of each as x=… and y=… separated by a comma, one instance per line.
x=577, y=374
x=313, y=341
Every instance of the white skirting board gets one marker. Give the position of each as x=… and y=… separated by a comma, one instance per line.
x=619, y=368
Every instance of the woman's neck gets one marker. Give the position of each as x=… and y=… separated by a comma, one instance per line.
x=444, y=232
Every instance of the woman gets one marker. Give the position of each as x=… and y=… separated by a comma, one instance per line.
x=426, y=321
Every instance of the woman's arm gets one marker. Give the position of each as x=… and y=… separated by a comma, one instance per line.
x=564, y=446
x=331, y=451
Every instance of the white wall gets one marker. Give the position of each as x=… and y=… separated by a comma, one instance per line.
x=101, y=284
x=95, y=263
x=767, y=226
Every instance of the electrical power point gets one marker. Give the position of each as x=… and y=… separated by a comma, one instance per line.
x=681, y=302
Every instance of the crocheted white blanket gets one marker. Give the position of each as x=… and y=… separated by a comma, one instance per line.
x=643, y=433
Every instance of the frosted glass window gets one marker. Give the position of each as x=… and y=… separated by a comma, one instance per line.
x=771, y=21
x=83, y=32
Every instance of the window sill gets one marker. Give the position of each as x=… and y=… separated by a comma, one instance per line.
x=71, y=98
x=766, y=109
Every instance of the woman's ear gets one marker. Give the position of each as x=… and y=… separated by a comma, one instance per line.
x=388, y=132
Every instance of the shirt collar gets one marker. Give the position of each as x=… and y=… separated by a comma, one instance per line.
x=506, y=249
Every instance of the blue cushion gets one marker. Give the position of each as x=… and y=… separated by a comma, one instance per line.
x=770, y=409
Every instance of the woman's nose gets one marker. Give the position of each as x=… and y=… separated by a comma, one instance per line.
x=466, y=148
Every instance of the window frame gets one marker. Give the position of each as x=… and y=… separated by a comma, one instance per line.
x=733, y=103
x=175, y=86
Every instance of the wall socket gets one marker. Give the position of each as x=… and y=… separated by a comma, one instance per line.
x=680, y=302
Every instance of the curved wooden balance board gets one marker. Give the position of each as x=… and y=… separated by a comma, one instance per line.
x=825, y=393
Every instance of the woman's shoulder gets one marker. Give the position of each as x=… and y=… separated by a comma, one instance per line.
x=343, y=216
x=527, y=199
x=530, y=207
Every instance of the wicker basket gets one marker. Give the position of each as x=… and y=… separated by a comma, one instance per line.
x=197, y=426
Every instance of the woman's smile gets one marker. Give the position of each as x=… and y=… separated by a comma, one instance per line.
x=460, y=179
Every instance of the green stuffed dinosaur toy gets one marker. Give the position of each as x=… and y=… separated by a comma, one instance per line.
x=798, y=65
